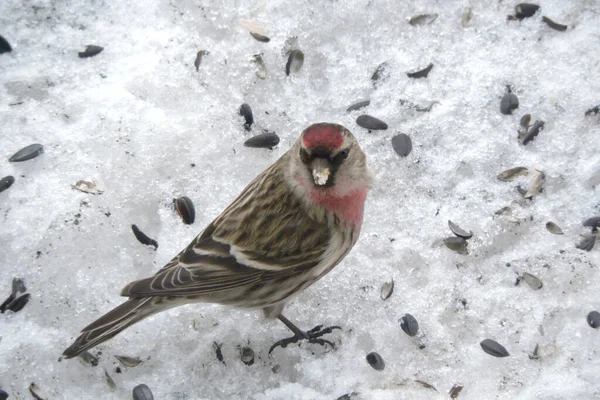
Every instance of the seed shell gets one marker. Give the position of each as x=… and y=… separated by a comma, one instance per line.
x=4, y=45
x=198, y=59
x=289, y=45
x=409, y=325
x=371, y=123
x=109, y=381
x=260, y=38
x=218, y=351
x=593, y=110
x=455, y=391
x=16, y=304
x=142, y=392
x=422, y=19
x=387, y=289
x=36, y=392
x=526, y=10
x=27, y=153
x=554, y=25
x=6, y=182
x=261, y=73
x=3, y=394
x=91, y=187
x=553, y=228
x=466, y=17
x=358, y=106
x=593, y=319
x=127, y=361
x=587, y=243
x=381, y=74
x=402, y=144
x=347, y=396
x=247, y=355
x=376, y=361
x=246, y=112
x=593, y=223
x=88, y=358
x=294, y=62
x=511, y=174
x=456, y=244
x=266, y=140
x=533, y=282
x=509, y=102
x=420, y=74
x=536, y=185
x=493, y=348
x=91, y=51
x=185, y=208
x=536, y=352
x=528, y=136
x=143, y=239
x=426, y=385
x=458, y=231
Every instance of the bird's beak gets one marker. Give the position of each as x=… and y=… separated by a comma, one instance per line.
x=320, y=171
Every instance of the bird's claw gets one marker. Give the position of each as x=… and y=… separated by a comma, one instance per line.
x=312, y=336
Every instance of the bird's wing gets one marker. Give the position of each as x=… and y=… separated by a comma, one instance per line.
x=264, y=234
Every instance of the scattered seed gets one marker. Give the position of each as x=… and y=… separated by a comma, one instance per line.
x=387, y=289
x=17, y=304
x=91, y=51
x=6, y=182
x=458, y=231
x=88, y=358
x=260, y=38
x=525, y=120
x=553, y=228
x=409, y=325
x=4, y=45
x=289, y=45
x=247, y=355
x=142, y=392
x=36, y=392
x=17, y=299
x=109, y=381
x=457, y=244
x=503, y=210
x=528, y=136
x=347, y=396
x=593, y=223
x=494, y=348
x=587, y=243
x=455, y=391
x=371, y=123
x=198, y=59
x=466, y=17
x=402, y=144
x=143, y=239
x=358, y=106
x=3, y=394
x=526, y=10
x=381, y=74
x=258, y=32
x=426, y=385
x=246, y=112
x=261, y=73
x=218, y=351
x=511, y=174
x=92, y=187
x=422, y=19
x=127, y=361
x=185, y=209
x=533, y=282
x=536, y=185
x=593, y=319
x=375, y=361
x=554, y=25
x=266, y=140
x=27, y=153
x=536, y=352
x=295, y=61
x=593, y=110
x=420, y=74
x=509, y=102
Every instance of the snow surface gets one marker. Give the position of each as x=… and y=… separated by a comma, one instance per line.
x=136, y=116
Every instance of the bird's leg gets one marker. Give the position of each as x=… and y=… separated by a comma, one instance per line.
x=312, y=336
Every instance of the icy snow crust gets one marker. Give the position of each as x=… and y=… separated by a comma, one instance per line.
x=138, y=114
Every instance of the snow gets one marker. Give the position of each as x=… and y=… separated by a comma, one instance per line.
x=136, y=116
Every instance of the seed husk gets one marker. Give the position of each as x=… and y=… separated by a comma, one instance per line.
x=257, y=31
x=409, y=325
x=466, y=17
x=109, y=381
x=425, y=384
x=36, y=392
x=348, y=396
x=376, y=361
x=534, y=282
x=3, y=394
x=4, y=45
x=266, y=140
x=247, y=355
x=526, y=137
x=536, y=352
x=457, y=244
x=289, y=45
x=294, y=62
x=198, y=59
x=402, y=144
x=6, y=182
x=143, y=238
x=525, y=121
x=261, y=73
x=27, y=153
x=536, y=185
x=511, y=174
x=185, y=208
x=358, y=106
x=526, y=10
x=17, y=299
x=455, y=391
x=593, y=110
x=422, y=19
x=127, y=361
x=593, y=319
x=371, y=123
x=91, y=187
x=381, y=74
x=422, y=73
x=509, y=102
x=246, y=112
x=458, y=231
x=553, y=228
x=218, y=351
x=91, y=51
x=142, y=392
x=387, y=289
x=554, y=25
x=593, y=223
x=587, y=243
x=260, y=38
x=88, y=358
x=493, y=348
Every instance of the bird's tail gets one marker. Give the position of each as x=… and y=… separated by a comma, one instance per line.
x=116, y=320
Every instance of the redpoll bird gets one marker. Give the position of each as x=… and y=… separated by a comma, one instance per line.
x=290, y=226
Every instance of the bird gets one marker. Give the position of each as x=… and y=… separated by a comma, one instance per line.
x=289, y=227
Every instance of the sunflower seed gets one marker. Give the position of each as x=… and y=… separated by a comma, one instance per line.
x=143, y=239
x=593, y=223
x=511, y=174
x=593, y=319
x=127, y=361
x=218, y=351
x=525, y=120
x=261, y=73
x=536, y=185
x=258, y=32
x=260, y=38
x=536, y=352
x=409, y=325
x=142, y=392
x=246, y=112
x=27, y=153
x=402, y=144
x=466, y=17
x=348, y=396
x=493, y=348
x=420, y=74
x=3, y=394
x=36, y=392
x=266, y=140
x=375, y=361
x=4, y=45
x=587, y=243
x=247, y=355
x=533, y=282
x=426, y=385
x=88, y=358
x=91, y=51
x=6, y=182
x=387, y=289
x=381, y=74
x=528, y=136
x=185, y=209
x=198, y=59
x=457, y=244
x=109, y=381
x=593, y=110
x=358, y=106
x=294, y=62
x=17, y=304
x=289, y=45
x=503, y=210
x=553, y=228
x=526, y=10
x=371, y=123
x=554, y=25
x=422, y=19
x=458, y=231
x=455, y=391
x=91, y=187
x=17, y=299
x=509, y=102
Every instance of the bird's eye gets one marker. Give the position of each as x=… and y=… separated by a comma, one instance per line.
x=344, y=153
x=304, y=156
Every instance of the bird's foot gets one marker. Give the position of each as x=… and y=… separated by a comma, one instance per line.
x=312, y=336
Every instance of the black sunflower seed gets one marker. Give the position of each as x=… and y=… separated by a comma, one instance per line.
x=142, y=392
x=358, y=106
x=294, y=62
x=420, y=74
x=455, y=391
x=554, y=25
x=593, y=223
x=36, y=392
x=509, y=102
x=537, y=127
x=493, y=348
x=185, y=209
x=247, y=355
x=6, y=182
x=402, y=144
x=91, y=51
x=27, y=153
x=266, y=140
x=246, y=112
x=347, y=396
x=593, y=319
x=422, y=19
x=593, y=110
x=3, y=394
x=4, y=45
x=409, y=325
x=554, y=228
x=17, y=299
x=260, y=38
x=587, y=243
x=371, y=123
x=198, y=59
x=526, y=10
x=143, y=239
x=375, y=361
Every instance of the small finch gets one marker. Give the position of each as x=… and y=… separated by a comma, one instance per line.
x=288, y=228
